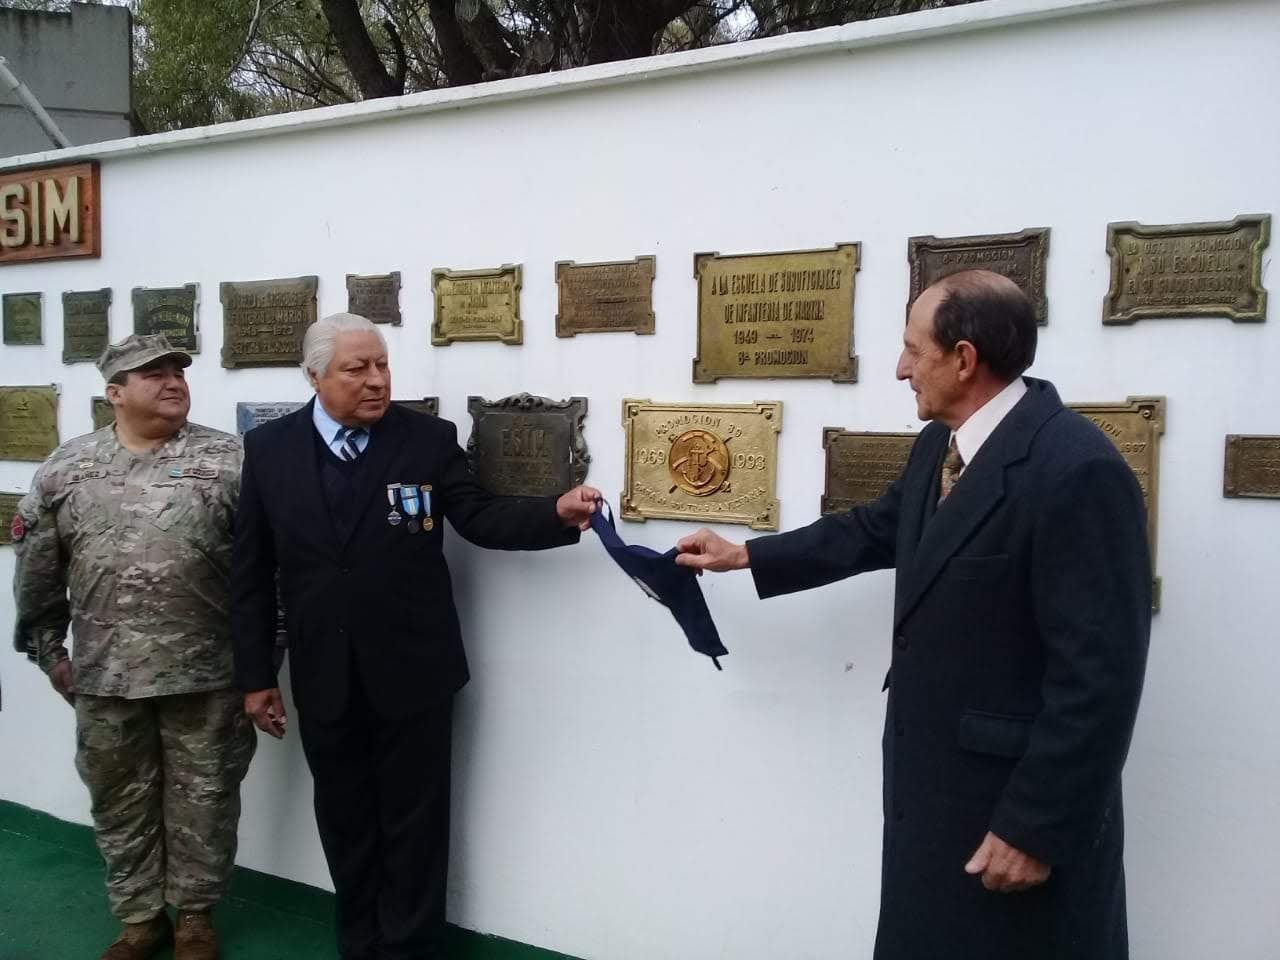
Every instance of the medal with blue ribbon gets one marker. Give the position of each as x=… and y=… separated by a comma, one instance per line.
x=393, y=517
x=409, y=500
x=427, y=521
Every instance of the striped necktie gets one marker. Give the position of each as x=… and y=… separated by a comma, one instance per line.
x=951, y=468
x=348, y=449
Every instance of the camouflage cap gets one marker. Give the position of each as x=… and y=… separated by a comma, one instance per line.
x=137, y=350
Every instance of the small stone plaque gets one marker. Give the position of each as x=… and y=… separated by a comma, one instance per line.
x=528, y=446
x=776, y=314
x=1187, y=270
x=1135, y=427
x=23, y=318
x=263, y=321
x=1251, y=467
x=710, y=463
x=861, y=466
x=375, y=297
x=28, y=422
x=9, y=501
x=86, y=324
x=102, y=412
x=477, y=305
x=1019, y=256
x=616, y=296
x=428, y=405
x=171, y=311
x=250, y=415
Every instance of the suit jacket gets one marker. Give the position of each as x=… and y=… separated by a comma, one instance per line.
x=1021, y=619
x=378, y=601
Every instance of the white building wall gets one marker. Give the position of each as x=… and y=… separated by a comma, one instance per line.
x=614, y=796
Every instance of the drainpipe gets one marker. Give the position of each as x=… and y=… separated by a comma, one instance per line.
x=9, y=82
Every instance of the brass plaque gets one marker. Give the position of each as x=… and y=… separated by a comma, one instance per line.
x=28, y=422
x=605, y=297
x=263, y=321
x=776, y=314
x=86, y=324
x=375, y=297
x=1019, y=256
x=428, y=405
x=250, y=415
x=171, y=311
x=528, y=446
x=711, y=463
x=23, y=319
x=1187, y=270
x=477, y=305
x=102, y=412
x=861, y=466
x=9, y=501
x=1135, y=427
x=1251, y=467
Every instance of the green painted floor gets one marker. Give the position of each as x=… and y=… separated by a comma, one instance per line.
x=52, y=905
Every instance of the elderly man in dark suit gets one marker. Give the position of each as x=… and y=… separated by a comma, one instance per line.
x=1021, y=621
x=346, y=499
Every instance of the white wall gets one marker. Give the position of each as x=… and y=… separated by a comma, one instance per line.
x=616, y=797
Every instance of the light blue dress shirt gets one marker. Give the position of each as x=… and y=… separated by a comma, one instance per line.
x=331, y=431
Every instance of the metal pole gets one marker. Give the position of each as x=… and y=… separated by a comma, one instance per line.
x=19, y=89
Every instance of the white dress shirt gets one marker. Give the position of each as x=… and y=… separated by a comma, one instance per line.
x=973, y=433
x=331, y=431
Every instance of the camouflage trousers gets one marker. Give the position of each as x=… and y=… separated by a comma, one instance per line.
x=164, y=776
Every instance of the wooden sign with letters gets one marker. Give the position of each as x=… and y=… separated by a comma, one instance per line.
x=50, y=213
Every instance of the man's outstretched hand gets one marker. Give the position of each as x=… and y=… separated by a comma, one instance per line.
x=575, y=507
x=705, y=550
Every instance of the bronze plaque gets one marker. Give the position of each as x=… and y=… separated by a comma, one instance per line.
x=605, y=297
x=1251, y=467
x=375, y=297
x=428, y=405
x=1019, y=256
x=28, y=422
x=1135, y=427
x=477, y=305
x=1187, y=270
x=86, y=326
x=710, y=463
x=528, y=446
x=861, y=466
x=263, y=321
x=23, y=319
x=171, y=311
x=102, y=412
x=776, y=314
x=9, y=501
x=50, y=213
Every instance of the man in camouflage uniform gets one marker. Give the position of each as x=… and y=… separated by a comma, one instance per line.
x=126, y=536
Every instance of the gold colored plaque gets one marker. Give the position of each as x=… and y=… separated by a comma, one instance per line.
x=1135, y=427
x=616, y=296
x=1187, y=270
x=1019, y=256
x=477, y=305
x=102, y=412
x=8, y=510
x=710, y=463
x=28, y=422
x=861, y=466
x=1251, y=467
x=776, y=314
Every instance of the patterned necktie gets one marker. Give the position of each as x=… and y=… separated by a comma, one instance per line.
x=349, y=450
x=951, y=468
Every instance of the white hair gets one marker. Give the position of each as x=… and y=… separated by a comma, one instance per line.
x=321, y=339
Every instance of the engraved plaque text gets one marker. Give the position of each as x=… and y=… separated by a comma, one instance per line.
x=85, y=324
x=605, y=297
x=477, y=305
x=1019, y=256
x=528, y=446
x=263, y=321
x=102, y=412
x=168, y=310
x=28, y=422
x=861, y=466
x=23, y=319
x=1252, y=467
x=375, y=297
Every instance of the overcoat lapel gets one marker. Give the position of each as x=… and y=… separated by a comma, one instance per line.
x=385, y=442
x=299, y=456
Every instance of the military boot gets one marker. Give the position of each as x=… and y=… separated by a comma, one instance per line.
x=138, y=941
x=194, y=938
